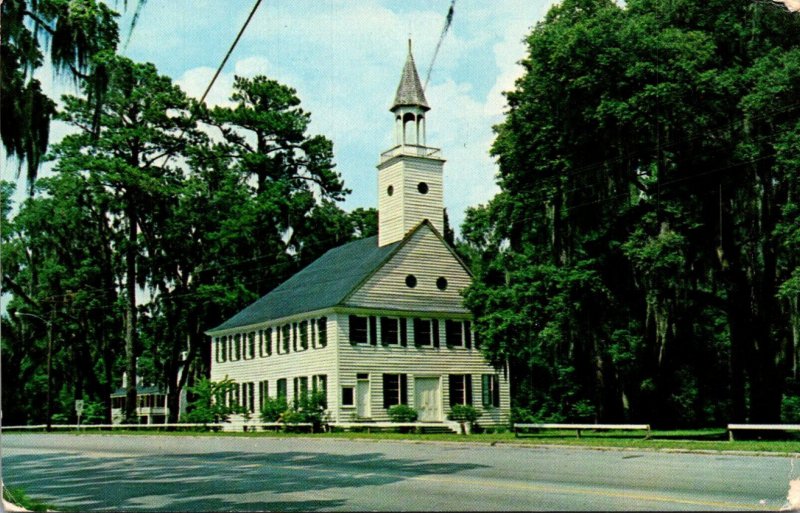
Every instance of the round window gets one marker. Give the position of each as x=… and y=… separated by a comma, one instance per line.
x=411, y=281
x=441, y=283
x=422, y=188
x=390, y=190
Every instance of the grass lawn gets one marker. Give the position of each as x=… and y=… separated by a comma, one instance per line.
x=677, y=440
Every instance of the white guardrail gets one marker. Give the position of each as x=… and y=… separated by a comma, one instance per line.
x=227, y=426
x=585, y=427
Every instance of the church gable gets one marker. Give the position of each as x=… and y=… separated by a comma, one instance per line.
x=423, y=275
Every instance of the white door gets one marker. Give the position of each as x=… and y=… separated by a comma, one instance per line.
x=426, y=399
x=362, y=398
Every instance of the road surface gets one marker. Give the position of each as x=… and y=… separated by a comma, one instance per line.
x=204, y=473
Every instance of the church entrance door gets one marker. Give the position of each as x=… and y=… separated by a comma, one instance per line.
x=426, y=399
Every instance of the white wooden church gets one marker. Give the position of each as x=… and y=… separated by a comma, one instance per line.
x=375, y=322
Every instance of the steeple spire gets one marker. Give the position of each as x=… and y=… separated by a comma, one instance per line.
x=409, y=91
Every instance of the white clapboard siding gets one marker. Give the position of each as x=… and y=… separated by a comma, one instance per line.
x=414, y=361
x=427, y=258
x=305, y=363
x=407, y=206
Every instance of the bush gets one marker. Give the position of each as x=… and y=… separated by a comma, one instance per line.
x=208, y=403
x=790, y=409
x=402, y=413
x=463, y=413
x=273, y=409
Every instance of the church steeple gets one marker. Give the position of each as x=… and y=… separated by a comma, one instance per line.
x=409, y=90
x=410, y=173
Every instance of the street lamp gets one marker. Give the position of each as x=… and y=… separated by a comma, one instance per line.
x=49, y=361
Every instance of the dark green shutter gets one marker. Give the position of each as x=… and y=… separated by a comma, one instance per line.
x=403, y=332
x=468, y=388
x=468, y=334
x=496, y=391
x=373, y=331
x=435, y=330
x=386, y=400
x=417, y=330
x=352, y=330
x=403, y=389
x=486, y=390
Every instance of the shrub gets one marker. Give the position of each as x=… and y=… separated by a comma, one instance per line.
x=402, y=413
x=463, y=413
x=208, y=403
x=273, y=409
x=790, y=409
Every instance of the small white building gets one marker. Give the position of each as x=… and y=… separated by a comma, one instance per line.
x=375, y=322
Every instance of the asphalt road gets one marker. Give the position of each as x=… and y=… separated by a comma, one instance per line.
x=164, y=473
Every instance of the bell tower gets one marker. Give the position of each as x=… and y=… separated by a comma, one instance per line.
x=410, y=174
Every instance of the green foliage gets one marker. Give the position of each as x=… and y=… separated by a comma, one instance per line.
x=402, y=413
x=640, y=261
x=207, y=404
x=16, y=495
x=790, y=409
x=463, y=413
x=273, y=409
x=308, y=408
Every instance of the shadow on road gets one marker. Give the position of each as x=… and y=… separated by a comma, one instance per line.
x=216, y=481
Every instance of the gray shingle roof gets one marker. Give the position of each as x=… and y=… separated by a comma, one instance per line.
x=409, y=91
x=322, y=284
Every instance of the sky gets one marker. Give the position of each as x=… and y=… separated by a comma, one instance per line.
x=344, y=58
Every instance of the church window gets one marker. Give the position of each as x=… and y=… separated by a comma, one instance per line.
x=411, y=281
x=300, y=388
x=358, y=330
x=454, y=333
x=286, y=332
x=490, y=386
x=441, y=283
x=389, y=331
x=322, y=329
x=304, y=335
x=422, y=332
x=389, y=190
x=237, y=341
x=282, y=389
x=251, y=345
x=422, y=187
x=395, y=390
x=460, y=389
x=348, y=396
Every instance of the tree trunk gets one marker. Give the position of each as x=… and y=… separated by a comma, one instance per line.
x=130, y=316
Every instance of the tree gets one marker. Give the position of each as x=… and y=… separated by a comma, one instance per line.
x=644, y=169
x=144, y=119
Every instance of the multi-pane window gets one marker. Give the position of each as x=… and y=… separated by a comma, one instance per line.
x=300, y=388
x=265, y=347
x=422, y=332
x=319, y=384
x=358, y=330
x=389, y=331
x=294, y=336
x=348, y=396
x=322, y=331
x=460, y=389
x=251, y=397
x=304, y=335
x=490, y=387
x=282, y=393
x=286, y=331
x=263, y=393
x=237, y=344
x=395, y=389
x=217, y=349
x=251, y=345
x=454, y=333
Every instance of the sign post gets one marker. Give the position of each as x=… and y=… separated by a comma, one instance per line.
x=79, y=410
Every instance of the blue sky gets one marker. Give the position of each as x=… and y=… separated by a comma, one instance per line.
x=344, y=58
